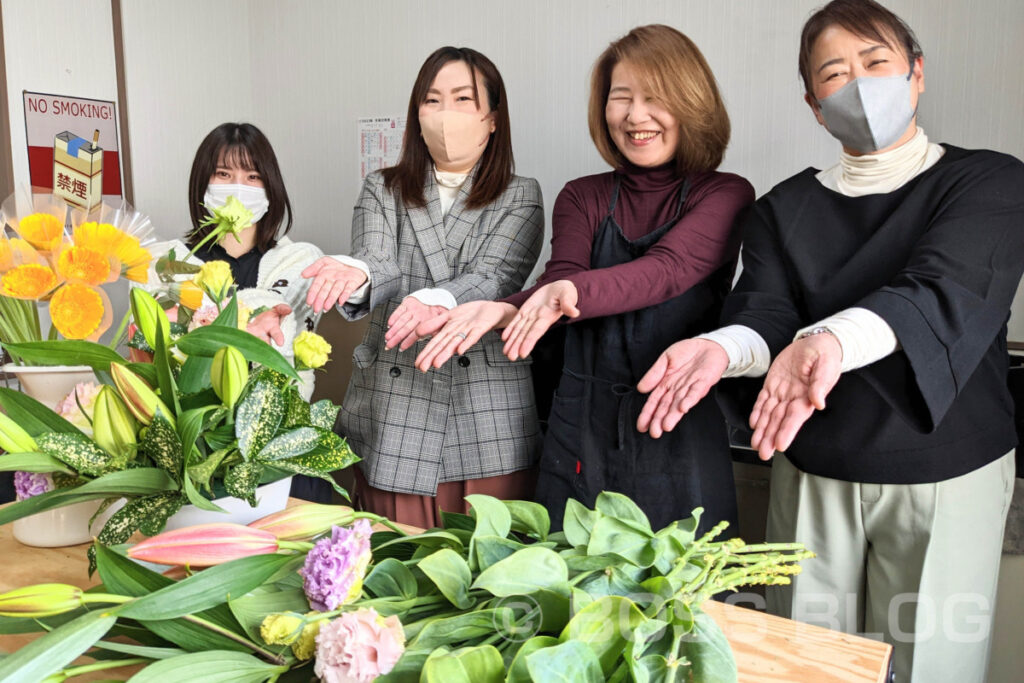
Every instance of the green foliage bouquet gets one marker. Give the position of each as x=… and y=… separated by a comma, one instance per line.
x=193, y=425
x=491, y=597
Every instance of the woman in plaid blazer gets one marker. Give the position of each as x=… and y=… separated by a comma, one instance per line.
x=449, y=224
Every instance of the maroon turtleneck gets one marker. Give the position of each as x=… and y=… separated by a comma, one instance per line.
x=700, y=242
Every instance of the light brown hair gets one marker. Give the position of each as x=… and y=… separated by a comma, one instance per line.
x=495, y=166
x=863, y=18
x=674, y=71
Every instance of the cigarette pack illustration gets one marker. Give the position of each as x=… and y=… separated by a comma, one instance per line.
x=78, y=169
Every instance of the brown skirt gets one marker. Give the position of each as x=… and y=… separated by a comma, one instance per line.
x=423, y=511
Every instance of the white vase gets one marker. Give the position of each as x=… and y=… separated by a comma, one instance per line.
x=270, y=498
x=68, y=525
x=49, y=384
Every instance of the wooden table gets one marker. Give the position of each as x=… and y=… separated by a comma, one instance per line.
x=767, y=649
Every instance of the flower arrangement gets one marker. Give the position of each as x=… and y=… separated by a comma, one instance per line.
x=194, y=424
x=490, y=597
x=43, y=264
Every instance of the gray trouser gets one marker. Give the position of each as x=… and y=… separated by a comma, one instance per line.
x=913, y=564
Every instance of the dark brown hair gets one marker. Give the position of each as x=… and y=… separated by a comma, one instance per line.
x=863, y=18
x=494, y=171
x=241, y=145
x=674, y=71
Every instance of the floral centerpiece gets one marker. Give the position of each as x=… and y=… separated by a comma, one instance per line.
x=490, y=597
x=42, y=264
x=193, y=422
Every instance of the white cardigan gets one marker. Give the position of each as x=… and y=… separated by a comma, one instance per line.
x=279, y=281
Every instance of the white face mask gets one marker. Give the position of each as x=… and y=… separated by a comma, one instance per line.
x=869, y=113
x=252, y=198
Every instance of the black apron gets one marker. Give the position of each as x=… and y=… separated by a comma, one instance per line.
x=592, y=443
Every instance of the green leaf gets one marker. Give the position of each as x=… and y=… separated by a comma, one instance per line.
x=571, y=662
x=32, y=462
x=482, y=664
x=428, y=539
x=195, y=374
x=610, y=536
x=55, y=650
x=524, y=572
x=517, y=671
x=148, y=514
x=140, y=650
x=125, y=577
x=391, y=578
x=260, y=413
x=242, y=479
x=578, y=522
x=529, y=518
x=291, y=444
x=407, y=669
x=205, y=341
x=203, y=472
x=323, y=414
x=604, y=626
x=161, y=443
x=331, y=453
x=67, y=352
x=216, y=666
x=491, y=515
x=33, y=416
x=78, y=451
x=490, y=550
x=144, y=370
x=139, y=481
x=450, y=573
x=623, y=509
x=709, y=652
x=228, y=316
x=198, y=499
x=460, y=628
x=161, y=360
x=208, y=588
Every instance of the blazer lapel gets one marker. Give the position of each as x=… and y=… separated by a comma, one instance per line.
x=430, y=233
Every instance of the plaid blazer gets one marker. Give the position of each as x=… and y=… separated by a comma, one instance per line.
x=474, y=417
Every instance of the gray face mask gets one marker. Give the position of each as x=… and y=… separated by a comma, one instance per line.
x=869, y=113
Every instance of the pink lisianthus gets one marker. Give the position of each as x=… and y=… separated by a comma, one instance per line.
x=69, y=408
x=203, y=317
x=358, y=647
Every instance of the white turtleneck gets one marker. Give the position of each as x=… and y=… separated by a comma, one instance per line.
x=863, y=335
x=448, y=186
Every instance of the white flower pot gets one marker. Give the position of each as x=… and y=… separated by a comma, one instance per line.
x=68, y=525
x=49, y=384
x=270, y=498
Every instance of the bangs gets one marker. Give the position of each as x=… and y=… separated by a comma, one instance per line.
x=236, y=156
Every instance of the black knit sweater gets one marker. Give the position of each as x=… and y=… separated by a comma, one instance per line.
x=939, y=259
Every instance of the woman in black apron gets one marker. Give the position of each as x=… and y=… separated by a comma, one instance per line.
x=639, y=256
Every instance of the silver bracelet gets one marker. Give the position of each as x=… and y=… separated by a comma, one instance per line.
x=816, y=330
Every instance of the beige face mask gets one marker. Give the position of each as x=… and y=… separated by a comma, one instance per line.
x=456, y=139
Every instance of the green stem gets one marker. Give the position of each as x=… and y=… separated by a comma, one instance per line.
x=231, y=635
x=301, y=546
x=377, y=519
x=103, y=666
x=116, y=339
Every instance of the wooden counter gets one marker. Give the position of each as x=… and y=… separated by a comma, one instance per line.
x=768, y=649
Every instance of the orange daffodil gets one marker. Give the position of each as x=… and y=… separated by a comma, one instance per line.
x=41, y=266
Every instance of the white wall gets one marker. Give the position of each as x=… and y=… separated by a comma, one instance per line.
x=80, y=67
x=304, y=71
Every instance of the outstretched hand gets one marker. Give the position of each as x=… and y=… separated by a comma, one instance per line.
x=536, y=316
x=455, y=331
x=333, y=283
x=405, y=319
x=267, y=325
x=678, y=380
x=796, y=385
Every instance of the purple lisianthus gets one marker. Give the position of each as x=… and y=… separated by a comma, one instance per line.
x=334, y=569
x=28, y=484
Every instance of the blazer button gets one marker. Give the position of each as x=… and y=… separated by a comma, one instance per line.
x=463, y=361
x=395, y=372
